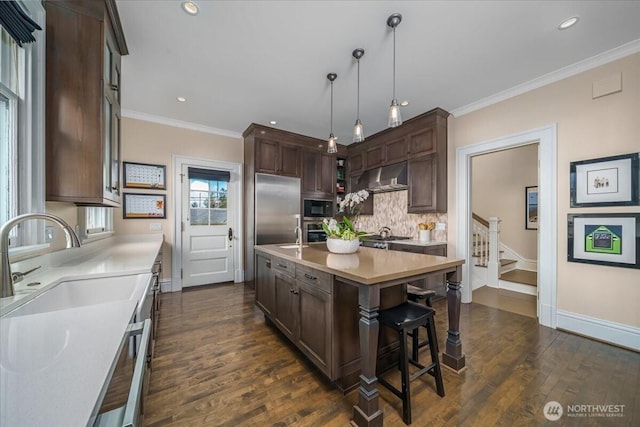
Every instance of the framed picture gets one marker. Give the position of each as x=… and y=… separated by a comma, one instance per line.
x=142, y=175
x=607, y=181
x=605, y=239
x=531, y=208
x=144, y=206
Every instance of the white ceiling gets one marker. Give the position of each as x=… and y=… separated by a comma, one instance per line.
x=239, y=62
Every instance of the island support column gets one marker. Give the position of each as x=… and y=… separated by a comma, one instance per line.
x=367, y=412
x=453, y=357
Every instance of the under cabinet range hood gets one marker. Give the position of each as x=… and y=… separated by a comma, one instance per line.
x=386, y=178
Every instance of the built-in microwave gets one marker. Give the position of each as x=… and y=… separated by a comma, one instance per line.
x=314, y=209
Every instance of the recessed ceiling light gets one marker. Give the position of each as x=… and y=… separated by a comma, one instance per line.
x=568, y=23
x=404, y=103
x=190, y=7
x=273, y=122
x=181, y=99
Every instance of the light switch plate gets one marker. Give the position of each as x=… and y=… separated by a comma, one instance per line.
x=441, y=226
x=155, y=226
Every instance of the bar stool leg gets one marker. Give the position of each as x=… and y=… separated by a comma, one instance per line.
x=437, y=373
x=415, y=344
x=404, y=371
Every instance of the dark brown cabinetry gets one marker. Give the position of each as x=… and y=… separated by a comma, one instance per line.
x=436, y=283
x=277, y=158
x=298, y=300
x=318, y=174
x=266, y=292
x=84, y=44
x=422, y=142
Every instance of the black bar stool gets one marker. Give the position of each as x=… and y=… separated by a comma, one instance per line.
x=417, y=294
x=403, y=318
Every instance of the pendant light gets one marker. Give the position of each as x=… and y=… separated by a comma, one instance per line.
x=358, y=131
x=395, y=119
x=332, y=146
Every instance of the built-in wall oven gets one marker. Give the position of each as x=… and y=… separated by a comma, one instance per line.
x=313, y=232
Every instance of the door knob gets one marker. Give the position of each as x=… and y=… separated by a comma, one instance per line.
x=230, y=233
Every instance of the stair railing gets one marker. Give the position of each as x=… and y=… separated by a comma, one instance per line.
x=486, y=246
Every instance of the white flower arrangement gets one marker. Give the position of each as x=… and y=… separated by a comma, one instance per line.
x=345, y=229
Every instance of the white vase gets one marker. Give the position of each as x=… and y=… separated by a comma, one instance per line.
x=424, y=235
x=339, y=246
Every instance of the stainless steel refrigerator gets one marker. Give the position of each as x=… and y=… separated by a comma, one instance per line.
x=277, y=202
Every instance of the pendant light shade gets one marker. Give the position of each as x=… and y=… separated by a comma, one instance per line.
x=332, y=146
x=358, y=130
x=395, y=118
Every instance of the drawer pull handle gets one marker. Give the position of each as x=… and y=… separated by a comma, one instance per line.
x=294, y=292
x=310, y=277
x=268, y=264
x=282, y=266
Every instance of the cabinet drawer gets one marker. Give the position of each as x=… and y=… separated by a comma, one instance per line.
x=313, y=277
x=284, y=266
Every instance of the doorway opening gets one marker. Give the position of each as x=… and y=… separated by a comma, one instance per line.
x=546, y=139
x=208, y=217
x=504, y=189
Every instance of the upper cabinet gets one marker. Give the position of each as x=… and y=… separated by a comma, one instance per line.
x=318, y=174
x=85, y=42
x=422, y=142
x=277, y=158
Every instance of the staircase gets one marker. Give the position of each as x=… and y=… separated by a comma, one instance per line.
x=492, y=267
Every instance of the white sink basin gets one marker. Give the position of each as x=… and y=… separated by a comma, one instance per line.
x=79, y=293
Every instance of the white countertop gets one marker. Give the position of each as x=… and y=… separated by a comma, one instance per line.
x=417, y=242
x=54, y=365
x=116, y=256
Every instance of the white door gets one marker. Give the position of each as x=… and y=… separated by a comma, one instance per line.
x=207, y=226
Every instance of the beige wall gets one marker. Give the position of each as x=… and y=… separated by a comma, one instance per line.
x=148, y=142
x=586, y=128
x=498, y=182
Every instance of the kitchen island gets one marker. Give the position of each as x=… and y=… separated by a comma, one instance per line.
x=313, y=297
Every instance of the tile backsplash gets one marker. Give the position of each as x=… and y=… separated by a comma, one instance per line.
x=390, y=209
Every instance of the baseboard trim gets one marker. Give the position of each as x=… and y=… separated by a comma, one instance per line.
x=165, y=285
x=518, y=287
x=603, y=330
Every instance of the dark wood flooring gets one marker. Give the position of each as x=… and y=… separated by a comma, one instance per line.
x=218, y=364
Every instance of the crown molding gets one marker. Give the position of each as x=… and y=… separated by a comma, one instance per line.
x=179, y=123
x=560, y=74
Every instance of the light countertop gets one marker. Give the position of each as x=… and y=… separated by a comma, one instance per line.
x=417, y=242
x=367, y=266
x=116, y=256
x=54, y=364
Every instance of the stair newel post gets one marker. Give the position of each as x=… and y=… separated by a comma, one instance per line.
x=493, y=266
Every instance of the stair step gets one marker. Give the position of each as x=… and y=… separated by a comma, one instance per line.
x=525, y=277
x=479, y=254
x=503, y=262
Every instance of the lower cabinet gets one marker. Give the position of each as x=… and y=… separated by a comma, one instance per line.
x=436, y=283
x=299, y=302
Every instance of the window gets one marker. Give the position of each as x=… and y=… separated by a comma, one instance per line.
x=22, y=72
x=95, y=222
x=208, y=191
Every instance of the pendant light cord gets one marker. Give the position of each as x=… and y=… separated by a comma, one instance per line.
x=394, y=62
x=331, y=108
x=358, y=105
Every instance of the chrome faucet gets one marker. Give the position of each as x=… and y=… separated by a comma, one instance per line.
x=298, y=231
x=5, y=265
x=385, y=232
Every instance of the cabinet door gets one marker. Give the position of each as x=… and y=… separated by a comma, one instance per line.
x=326, y=183
x=284, y=317
x=111, y=147
x=289, y=160
x=422, y=177
x=422, y=142
x=355, y=163
x=309, y=171
x=266, y=156
x=314, y=325
x=265, y=286
x=396, y=150
x=374, y=156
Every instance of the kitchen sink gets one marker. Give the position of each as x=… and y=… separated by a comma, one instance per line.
x=80, y=293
